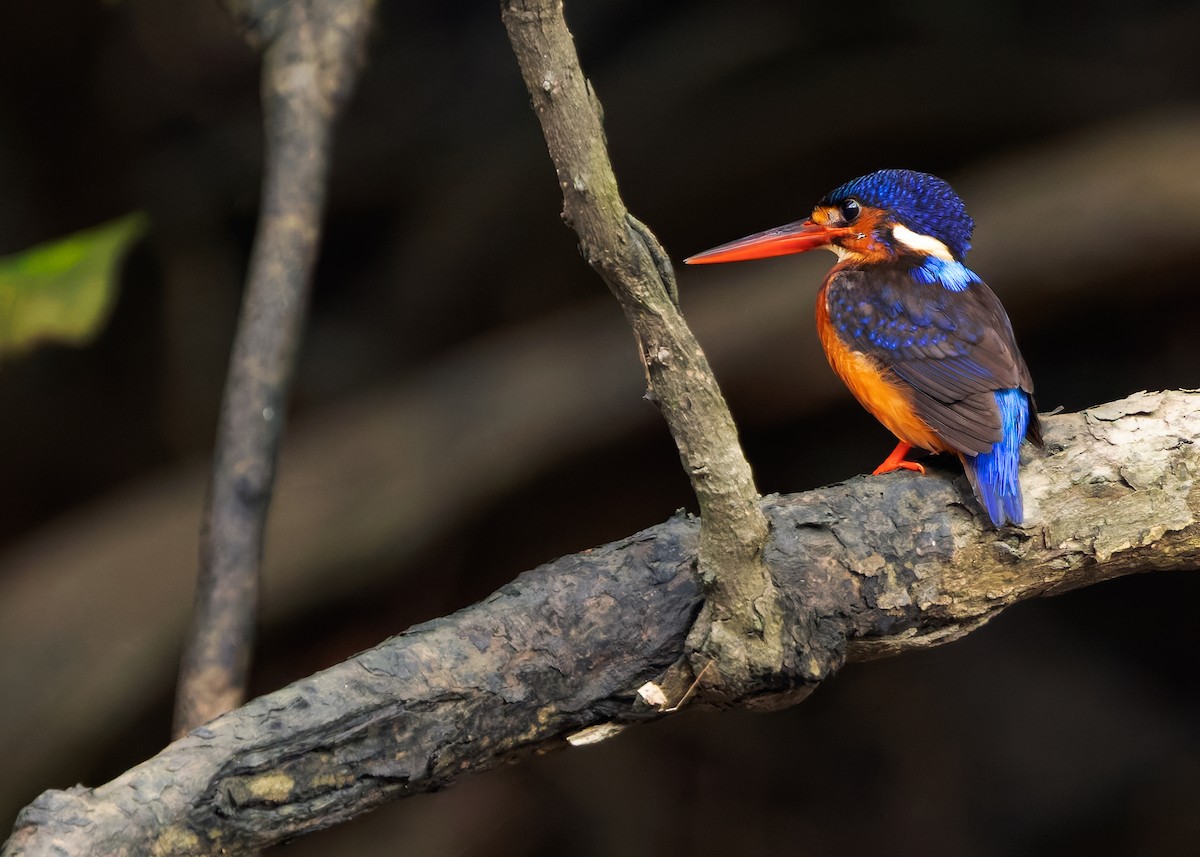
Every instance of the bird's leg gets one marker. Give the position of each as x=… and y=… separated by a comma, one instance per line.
x=896, y=461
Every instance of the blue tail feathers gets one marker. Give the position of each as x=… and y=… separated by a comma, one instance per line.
x=993, y=474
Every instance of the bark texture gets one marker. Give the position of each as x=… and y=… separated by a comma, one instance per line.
x=742, y=625
x=868, y=568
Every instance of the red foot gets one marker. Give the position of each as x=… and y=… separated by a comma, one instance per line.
x=896, y=461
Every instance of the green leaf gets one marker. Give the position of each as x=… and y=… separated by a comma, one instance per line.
x=63, y=291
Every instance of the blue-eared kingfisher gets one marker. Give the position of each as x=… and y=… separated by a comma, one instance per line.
x=915, y=334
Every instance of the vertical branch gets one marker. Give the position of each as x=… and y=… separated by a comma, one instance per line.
x=312, y=51
x=741, y=628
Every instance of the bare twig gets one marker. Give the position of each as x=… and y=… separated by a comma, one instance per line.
x=741, y=627
x=312, y=53
x=873, y=567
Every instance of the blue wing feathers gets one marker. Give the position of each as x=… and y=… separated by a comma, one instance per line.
x=993, y=474
x=953, y=348
x=941, y=333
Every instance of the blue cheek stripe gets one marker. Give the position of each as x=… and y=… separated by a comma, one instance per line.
x=954, y=276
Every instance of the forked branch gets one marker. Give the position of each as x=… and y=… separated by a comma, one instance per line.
x=740, y=630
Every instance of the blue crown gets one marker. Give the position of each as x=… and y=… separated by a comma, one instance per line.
x=923, y=203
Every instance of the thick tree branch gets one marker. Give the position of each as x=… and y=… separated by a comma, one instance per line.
x=742, y=629
x=312, y=54
x=872, y=567
x=139, y=538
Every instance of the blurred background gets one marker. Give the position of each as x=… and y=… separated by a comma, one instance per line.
x=468, y=400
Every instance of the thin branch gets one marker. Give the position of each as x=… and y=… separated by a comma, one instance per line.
x=873, y=567
x=741, y=628
x=312, y=54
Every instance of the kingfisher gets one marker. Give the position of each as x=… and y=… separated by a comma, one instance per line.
x=918, y=338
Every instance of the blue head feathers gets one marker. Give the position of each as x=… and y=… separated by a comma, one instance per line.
x=921, y=202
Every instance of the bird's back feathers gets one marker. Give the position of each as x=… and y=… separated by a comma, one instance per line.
x=952, y=348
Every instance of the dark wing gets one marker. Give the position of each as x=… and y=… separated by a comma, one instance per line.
x=954, y=348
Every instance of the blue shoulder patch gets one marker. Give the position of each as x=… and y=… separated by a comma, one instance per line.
x=954, y=276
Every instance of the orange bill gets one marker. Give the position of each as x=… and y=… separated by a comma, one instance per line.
x=798, y=237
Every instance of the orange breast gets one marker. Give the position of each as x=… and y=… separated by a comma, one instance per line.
x=875, y=387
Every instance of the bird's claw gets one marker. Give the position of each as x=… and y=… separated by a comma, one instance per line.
x=888, y=467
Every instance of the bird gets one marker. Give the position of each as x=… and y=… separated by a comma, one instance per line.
x=917, y=336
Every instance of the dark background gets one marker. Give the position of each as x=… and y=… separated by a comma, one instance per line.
x=467, y=404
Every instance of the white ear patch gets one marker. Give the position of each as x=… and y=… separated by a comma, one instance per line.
x=926, y=244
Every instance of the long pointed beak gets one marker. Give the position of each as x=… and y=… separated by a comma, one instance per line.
x=798, y=237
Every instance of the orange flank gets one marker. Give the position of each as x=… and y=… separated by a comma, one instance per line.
x=877, y=390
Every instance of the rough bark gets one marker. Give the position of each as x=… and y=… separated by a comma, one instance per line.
x=741, y=630
x=872, y=567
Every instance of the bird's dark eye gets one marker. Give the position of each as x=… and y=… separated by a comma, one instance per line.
x=850, y=210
